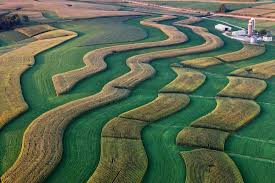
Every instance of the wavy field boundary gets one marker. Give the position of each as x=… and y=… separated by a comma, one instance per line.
x=127, y=128
x=260, y=71
x=94, y=60
x=202, y=137
x=247, y=52
x=229, y=115
x=200, y=63
x=212, y=130
x=204, y=165
x=246, y=88
x=187, y=81
x=33, y=164
x=12, y=65
x=162, y=106
x=31, y=31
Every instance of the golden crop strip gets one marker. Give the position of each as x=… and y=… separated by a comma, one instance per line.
x=55, y=34
x=187, y=81
x=212, y=130
x=248, y=51
x=210, y=166
x=261, y=71
x=201, y=63
x=31, y=31
x=141, y=70
x=246, y=88
x=121, y=161
x=45, y=133
x=124, y=129
x=162, y=106
x=128, y=127
x=202, y=137
x=229, y=115
x=94, y=60
x=12, y=65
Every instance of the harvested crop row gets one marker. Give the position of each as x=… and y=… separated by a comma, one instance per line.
x=162, y=106
x=229, y=115
x=261, y=71
x=187, y=81
x=202, y=137
x=35, y=30
x=121, y=129
x=203, y=165
x=42, y=143
x=247, y=88
x=121, y=160
x=201, y=63
x=248, y=51
x=12, y=65
x=46, y=132
x=94, y=60
x=141, y=70
x=55, y=34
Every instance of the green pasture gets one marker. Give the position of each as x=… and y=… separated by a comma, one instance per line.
x=82, y=137
x=38, y=88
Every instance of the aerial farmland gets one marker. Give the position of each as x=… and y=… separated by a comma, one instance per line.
x=137, y=91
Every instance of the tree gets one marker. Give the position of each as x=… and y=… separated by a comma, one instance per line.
x=263, y=32
x=9, y=21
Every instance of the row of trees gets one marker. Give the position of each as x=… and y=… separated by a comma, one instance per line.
x=10, y=21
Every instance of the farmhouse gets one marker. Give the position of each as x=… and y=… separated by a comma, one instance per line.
x=222, y=27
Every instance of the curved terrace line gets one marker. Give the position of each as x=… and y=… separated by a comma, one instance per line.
x=12, y=65
x=42, y=142
x=94, y=60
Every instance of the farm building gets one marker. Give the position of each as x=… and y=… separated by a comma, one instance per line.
x=267, y=37
x=239, y=33
x=222, y=27
x=253, y=40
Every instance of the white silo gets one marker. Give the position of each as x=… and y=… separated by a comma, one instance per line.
x=253, y=22
x=250, y=29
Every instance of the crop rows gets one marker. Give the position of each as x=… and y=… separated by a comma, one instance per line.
x=35, y=30
x=246, y=88
x=261, y=71
x=188, y=80
x=248, y=51
x=204, y=165
x=45, y=133
x=127, y=127
x=12, y=65
x=120, y=167
x=94, y=60
x=210, y=132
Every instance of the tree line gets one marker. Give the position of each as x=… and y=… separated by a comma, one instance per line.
x=8, y=22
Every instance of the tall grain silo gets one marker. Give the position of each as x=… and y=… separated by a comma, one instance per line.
x=250, y=29
x=253, y=21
